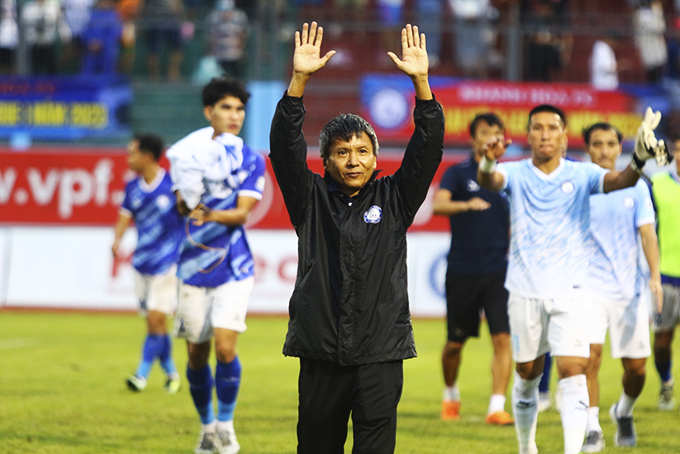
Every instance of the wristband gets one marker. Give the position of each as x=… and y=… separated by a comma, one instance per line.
x=487, y=166
x=637, y=164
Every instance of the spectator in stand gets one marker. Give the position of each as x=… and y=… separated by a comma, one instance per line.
x=603, y=67
x=44, y=26
x=77, y=16
x=472, y=32
x=228, y=35
x=128, y=10
x=430, y=15
x=549, y=47
x=101, y=39
x=649, y=26
x=162, y=22
x=9, y=35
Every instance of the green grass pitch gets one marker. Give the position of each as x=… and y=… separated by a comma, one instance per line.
x=62, y=391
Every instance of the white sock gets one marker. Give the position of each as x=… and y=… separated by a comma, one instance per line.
x=574, y=412
x=497, y=403
x=210, y=428
x=625, y=405
x=593, y=420
x=525, y=410
x=452, y=394
x=225, y=425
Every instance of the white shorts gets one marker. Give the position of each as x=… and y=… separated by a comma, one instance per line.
x=628, y=323
x=542, y=325
x=157, y=292
x=201, y=309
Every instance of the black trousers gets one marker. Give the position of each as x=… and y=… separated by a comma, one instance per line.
x=330, y=393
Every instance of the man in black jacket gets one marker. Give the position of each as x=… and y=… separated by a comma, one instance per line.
x=349, y=316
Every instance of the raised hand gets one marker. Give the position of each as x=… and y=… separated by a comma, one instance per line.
x=496, y=148
x=307, y=58
x=414, y=61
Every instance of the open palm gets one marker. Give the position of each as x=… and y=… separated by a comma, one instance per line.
x=307, y=58
x=414, y=61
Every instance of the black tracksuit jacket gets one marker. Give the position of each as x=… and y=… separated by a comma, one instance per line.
x=350, y=303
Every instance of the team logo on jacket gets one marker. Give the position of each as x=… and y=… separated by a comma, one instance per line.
x=472, y=186
x=373, y=215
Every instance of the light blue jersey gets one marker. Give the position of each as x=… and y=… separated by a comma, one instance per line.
x=614, y=270
x=159, y=224
x=550, y=226
x=215, y=173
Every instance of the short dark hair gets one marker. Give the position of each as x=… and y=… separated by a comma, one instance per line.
x=150, y=143
x=548, y=108
x=345, y=126
x=601, y=126
x=489, y=118
x=219, y=87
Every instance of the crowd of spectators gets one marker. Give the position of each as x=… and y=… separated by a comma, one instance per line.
x=466, y=38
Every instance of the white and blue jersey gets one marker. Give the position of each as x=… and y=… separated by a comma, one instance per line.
x=614, y=270
x=215, y=173
x=159, y=224
x=550, y=238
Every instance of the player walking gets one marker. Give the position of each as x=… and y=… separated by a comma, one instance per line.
x=218, y=179
x=150, y=202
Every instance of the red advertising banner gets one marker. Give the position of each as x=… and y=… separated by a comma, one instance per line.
x=59, y=186
x=387, y=104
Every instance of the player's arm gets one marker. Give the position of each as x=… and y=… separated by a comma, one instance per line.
x=307, y=58
x=650, y=246
x=487, y=176
x=124, y=219
x=614, y=180
x=444, y=206
x=233, y=217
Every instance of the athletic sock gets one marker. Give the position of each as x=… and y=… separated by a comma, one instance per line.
x=574, y=412
x=452, y=393
x=497, y=403
x=664, y=370
x=227, y=382
x=200, y=386
x=153, y=344
x=525, y=409
x=624, y=407
x=593, y=420
x=225, y=425
x=165, y=357
x=544, y=385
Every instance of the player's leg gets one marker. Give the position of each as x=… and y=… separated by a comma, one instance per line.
x=570, y=346
x=193, y=324
x=151, y=346
x=495, y=303
x=162, y=302
x=600, y=316
x=462, y=318
x=544, y=401
x=228, y=318
x=664, y=327
x=324, y=407
x=528, y=323
x=377, y=393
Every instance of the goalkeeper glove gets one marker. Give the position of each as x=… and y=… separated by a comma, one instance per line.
x=646, y=144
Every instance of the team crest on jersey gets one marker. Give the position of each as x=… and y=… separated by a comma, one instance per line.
x=162, y=201
x=373, y=215
x=567, y=187
x=629, y=203
x=472, y=186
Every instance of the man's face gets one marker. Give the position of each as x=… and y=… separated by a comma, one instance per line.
x=226, y=115
x=137, y=159
x=351, y=164
x=604, y=148
x=484, y=135
x=547, y=135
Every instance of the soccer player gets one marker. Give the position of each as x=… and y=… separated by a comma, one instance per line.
x=616, y=283
x=549, y=252
x=219, y=180
x=666, y=193
x=150, y=202
x=349, y=313
x=475, y=275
